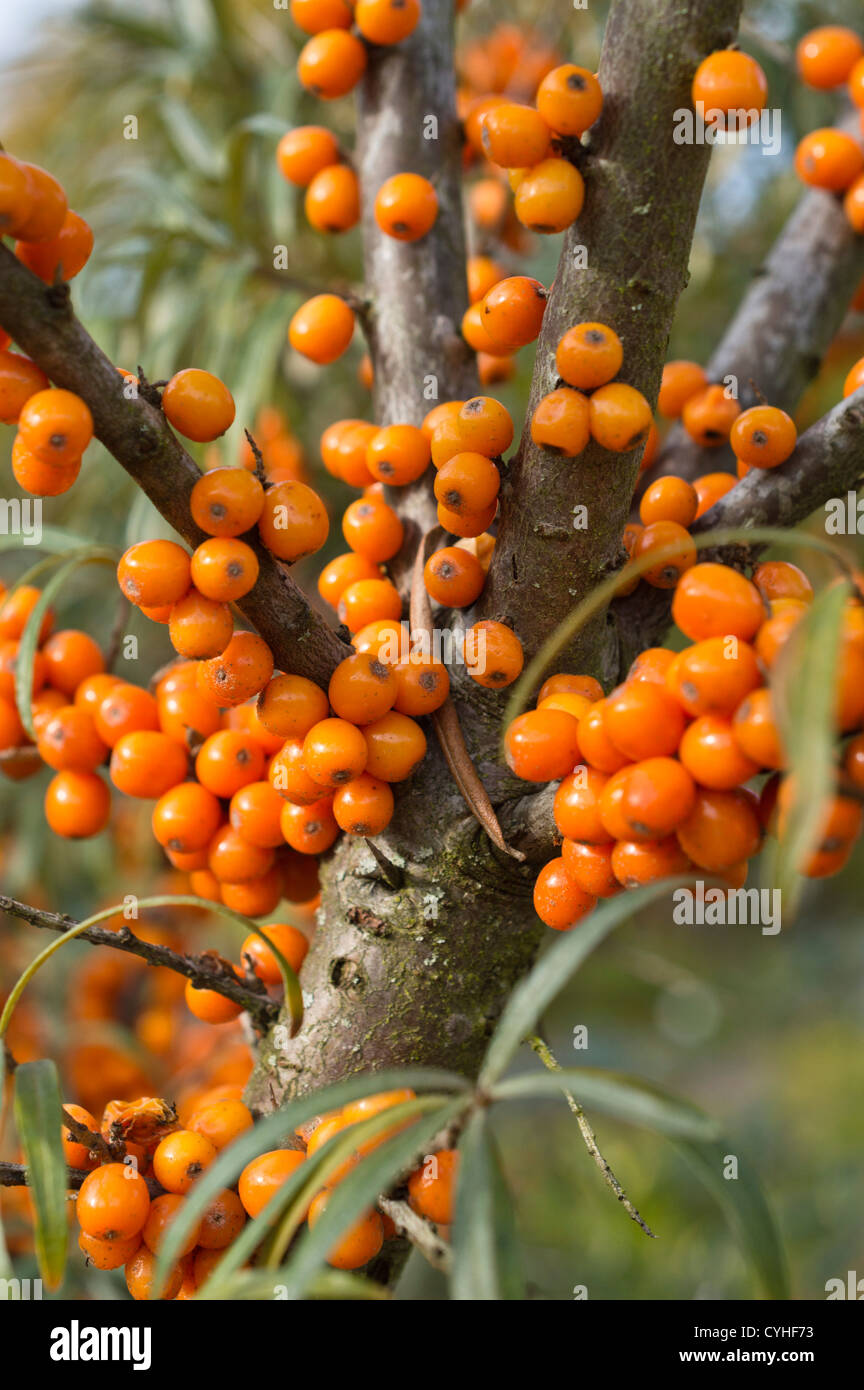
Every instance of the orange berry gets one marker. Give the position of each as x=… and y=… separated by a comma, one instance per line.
x=368, y=601
x=406, y=207
x=163, y=1212
x=763, y=436
x=147, y=764
x=257, y=897
x=113, y=1202
x=643, y=720
x=233, y=860
x=542, y=745
x=322, y=328
x=310, y=829
x=467, y=483
x=398, y=455
x=222, y=1222
x=710, y=488
x=571, y=685
x=16, y=199
x=708, y=416
x=712, y=754
x=713, y=676
x=853, y=206
x=714, y=600
x=493, y=654
x=254, y=814
x=569, y=99
x=512, y=312
x=186, y=818
x=387, y=21
x=78, y=1155
x=453, y=577
x=313, y=16
x=224, y=569
x=595, y=744
x=346, y=569
x=228, y=760
x=288, y=706
x=778, y=579
x=729, y=80
x=291, y=942
x=395, y=745
x=264, y=1176
x=154, y=573
x=70, y=658
x=198, y=404
x=362, y=688
x=288, y=776
x=514, y=136
x=672, y=549
x=669, y=499
x=77, y=804
x=829, y=159
x=38, y=478
x=431, y=1188
x=637, y=862
x=334, y=752
x=558, y=900
x=755, y=729
x=826, y=56
x=619, y=417
x=657, y=795
x=331, y=64
x=226, y=501
x=356, y=1246
x=722, y=829
x=560, y=422
x=372, y=529
x=343, y=451
x=422, y=684
x=305, y=151
x=221, y=1121
x=200, y=627
x=590, y=867
x=180, y=1158
x=47, y=211
x=680, y=381
x=855, y=379
x=64, y=254
x=293, y=522
x=364, y=806
x=56, y=426
x=483, y=272
x=20, y=379
x=241, y=671
x=589, y=355
x=108, y=1254
x=549, y=199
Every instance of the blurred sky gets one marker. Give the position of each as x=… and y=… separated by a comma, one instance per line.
x=20, y=23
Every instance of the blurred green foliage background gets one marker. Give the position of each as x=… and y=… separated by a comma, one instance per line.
x=763, y=1032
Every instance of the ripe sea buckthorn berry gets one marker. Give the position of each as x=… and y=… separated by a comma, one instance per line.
x=422, y=684
x=356, y=1246
x=755, y=729
x=853, y=204
x=223, y=1220
x=406, y=207
x=714, y=600
x=483, y=272
x=590, y=866
x=577, y=806
x=241, y=671
x=855, y=379
x=186, y=818
x=680, y=381
x=619, y=417
x=571, y=685
x=773, y=634
x=44, y=219
x=334, y=751
x=657, y=795
x=514, y=136
x=305, y=151
x=485, y=426
x=227, y=761
x=856, y=87
x=549, y=199
x=709, y=415
x=331, y=64
x=154, y=573
x=712, y=754
x=710, y=488
x=853, y=760
x=200, y=627
x=475, y=334
x=713, y=676
x=42, y=709
x=364, y=806
x=453, y=577
x=78, y=1155
x=398, y=455
x=233, y=860
x=70, y=658
x=322, y=328
x=16, y=199
x=288, y=706
x=293, y=522
x=560, y=422
x=431, y=1188
x=672, y=550
x=264, y=1176
x=346, y=569
x=310, y=829
x=395, y=745
x=466, y=524
x=288, y=776
x=569, y=99
x=589, y=355
x=445, y=411
x=778, y=579
x=254, y=814
x=637, y=862
x=722, y=829
x=513, y=312
x=8, y=667
x=387, y=21
x=643, y=720
x=141, y=1277
x=64, y=254
x=113, y=1202
x=257, y=897
x=77, y=804
x=468, y=482
x=226, y=501
x=577, y=705
x=180, y=1158
x=20, y=379
x=595, y=744
x=558, y=900
x=38, y=478
x=107, y=1254
x=293, y=945
x=542, y=745
x=222, y=1121
x=829, y=159
x=313, y=16
x=493, y=654
x=210, y=1007
x=147, y=764
x=826, y=56
x=343, y=451
x=224, y=569
x=372, y=529
x=367, y=601
x=729, y=80
x=198, y=405
x=163, y=1211
x=362, y=688
x=56, y=426
x=669, y=499
x=763, y=436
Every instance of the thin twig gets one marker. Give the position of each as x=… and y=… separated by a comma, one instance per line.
x=421, y=1234
x=543, y=1052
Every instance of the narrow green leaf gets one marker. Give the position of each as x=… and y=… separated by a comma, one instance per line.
x=263, y=1285
x=552, y=971
x=51, y=538
x=627, y=1098
x=486, y=1264
x=190, y=140
x=746, y=1209
x=89, y=555
x=804, y=693
x=38, y=1112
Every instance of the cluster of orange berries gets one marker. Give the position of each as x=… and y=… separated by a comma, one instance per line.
x=591, y=405
x=121, y=1224
x=51, y=239
x=828, y=58
x=654, y=776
